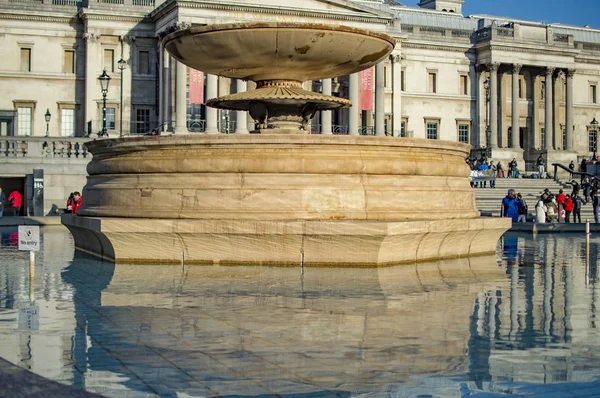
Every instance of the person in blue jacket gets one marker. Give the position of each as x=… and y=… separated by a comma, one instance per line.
x=510, y=206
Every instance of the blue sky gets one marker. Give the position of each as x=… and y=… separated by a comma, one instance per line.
x=572, y=12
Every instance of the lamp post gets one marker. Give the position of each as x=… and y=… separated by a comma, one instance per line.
x=47, y=116
x=104, y=80
x=594, y=124
x=486, y=86
x=121, y=65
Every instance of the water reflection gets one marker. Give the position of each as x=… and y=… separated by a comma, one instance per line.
x=520, y=322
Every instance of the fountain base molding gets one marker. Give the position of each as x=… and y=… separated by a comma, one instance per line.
x=283, y=243
x=280, y=199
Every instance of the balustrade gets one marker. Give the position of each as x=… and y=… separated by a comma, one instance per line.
x=43, y=147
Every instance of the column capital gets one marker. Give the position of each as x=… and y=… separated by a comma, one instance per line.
x=571, y=72
x=517, y=68
x=91, y=37
x=395, y=58
x=550, y=70
x=493, y=67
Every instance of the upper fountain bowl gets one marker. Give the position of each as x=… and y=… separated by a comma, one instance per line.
x=272, y=51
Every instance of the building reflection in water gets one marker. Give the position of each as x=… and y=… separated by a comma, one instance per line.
x=515, y=322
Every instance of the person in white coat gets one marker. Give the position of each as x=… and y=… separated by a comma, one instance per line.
x=540, y=211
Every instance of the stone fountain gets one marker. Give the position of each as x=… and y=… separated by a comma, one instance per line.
x=283, y=196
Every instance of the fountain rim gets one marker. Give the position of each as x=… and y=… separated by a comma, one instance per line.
x=276, y=25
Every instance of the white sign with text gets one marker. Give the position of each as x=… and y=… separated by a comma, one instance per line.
x=29, y=238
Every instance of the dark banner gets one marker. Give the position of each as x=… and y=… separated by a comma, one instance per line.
x=38, y=192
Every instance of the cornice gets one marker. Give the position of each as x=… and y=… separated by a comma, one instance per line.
x=261, y=9
x=16, y=16
x=442, y=46
x=98, y=15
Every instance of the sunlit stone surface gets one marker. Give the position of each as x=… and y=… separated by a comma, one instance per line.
x=522, y=322
x=280, y=199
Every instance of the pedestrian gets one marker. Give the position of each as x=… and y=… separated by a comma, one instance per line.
x=15, y=200
x=77, y=200
x=586, y=187
x=483, y=168
x=510, y=206
x=541, y=164
x=540, y=211
x=522, y=209
x=500, y=171
x=596, y=204
x=572, y=168
x=577, y=202
x=583, y=168
x=576, y=187
x=560, y=201
x=2, y=200
x=70, y=203
x=551, y=213
x=568, y=208
x=492, y=169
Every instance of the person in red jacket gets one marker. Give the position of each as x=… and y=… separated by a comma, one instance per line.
x=76, y=203
x=15, y=200
x=568, y=208
x=560, y=201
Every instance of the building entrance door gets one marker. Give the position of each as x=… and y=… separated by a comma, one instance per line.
x=9, y=184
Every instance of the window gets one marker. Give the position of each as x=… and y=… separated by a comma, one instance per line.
x=142, y=120
x=109, y=60
x=403, y=129
x=509, y=136
x=464, y=85
x=463, y=133
x=402, y=87
x=25, y=59
x=593, y=96
x=67, y=122
x=144, y=62
x=593, y=139
x=110, y=118
x=432, y=130
x=432, y=82
x=385, y=76
x=69, y=61
x=24, y=118
x=543, y=138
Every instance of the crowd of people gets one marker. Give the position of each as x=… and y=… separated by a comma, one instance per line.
x=558, y=208
x=497, y=170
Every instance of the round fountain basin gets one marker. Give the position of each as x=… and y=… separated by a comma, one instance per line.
x=268, y=51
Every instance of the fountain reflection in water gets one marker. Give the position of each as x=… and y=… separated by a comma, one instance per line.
x=523, y=321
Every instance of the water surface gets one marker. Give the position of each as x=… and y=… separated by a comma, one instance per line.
x=522, y=322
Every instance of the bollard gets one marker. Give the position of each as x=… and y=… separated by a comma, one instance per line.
x=587, y=227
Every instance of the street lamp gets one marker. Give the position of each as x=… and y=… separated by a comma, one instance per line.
x=121, y=65
x=594, y=124
x=47, y=116
x=104, y=80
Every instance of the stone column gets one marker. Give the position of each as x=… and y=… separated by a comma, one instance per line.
x=212, y=87
x=180, y=99
x=354, y=88
x=494, y=104
x=548, y=124
x=92, y=88
x=161, y=60
x=166, y=90
x=514, y=137
x=569, y=110
x=241, y=118
x=379, y=99
x=396, y=95
x=326, y=115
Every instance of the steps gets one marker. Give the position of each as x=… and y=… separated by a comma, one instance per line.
x=489, y=200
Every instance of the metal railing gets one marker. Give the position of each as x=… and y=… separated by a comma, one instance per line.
x=43, y=147
x=339, y=129
x=568, y=170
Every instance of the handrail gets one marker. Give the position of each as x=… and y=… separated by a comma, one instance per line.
x=573, y=172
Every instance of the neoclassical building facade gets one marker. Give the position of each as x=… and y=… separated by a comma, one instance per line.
x=520, y=88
